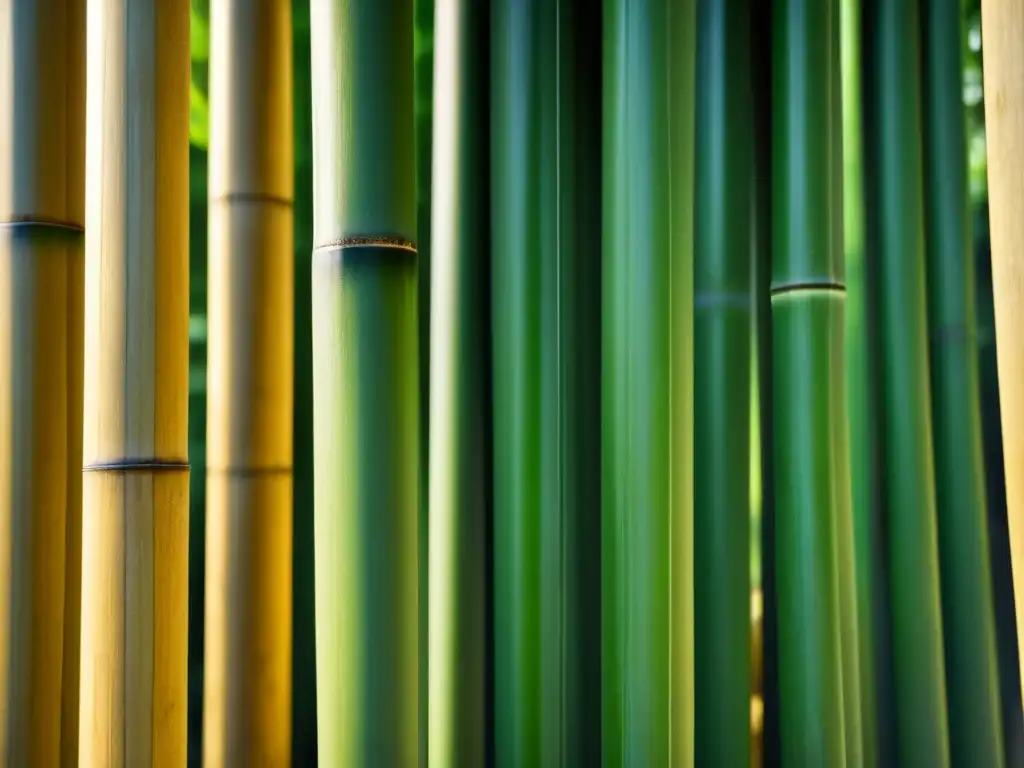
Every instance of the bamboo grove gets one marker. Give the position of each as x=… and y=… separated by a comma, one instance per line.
x=578, y=383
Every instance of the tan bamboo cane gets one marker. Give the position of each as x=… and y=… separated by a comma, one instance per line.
x=1003, y=39
x=135, y=513
x=248, y=637
x=42, y=99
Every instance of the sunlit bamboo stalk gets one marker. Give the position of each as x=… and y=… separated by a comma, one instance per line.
x=975, y=719
x=807, y=314
x=647, y=382
x=459, y=488
x=248, y=637
x=1002, y=32
x=135, y=519
x=42, y=122
x=723, y=305
x=366, y=383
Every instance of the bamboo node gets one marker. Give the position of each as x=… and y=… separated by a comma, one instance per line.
x=808, y=285
x=137, y=465
x=368, y=241
x=42, y=222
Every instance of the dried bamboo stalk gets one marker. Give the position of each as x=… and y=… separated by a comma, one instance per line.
x=135, y=515
x=42, y=102
x=248, y=634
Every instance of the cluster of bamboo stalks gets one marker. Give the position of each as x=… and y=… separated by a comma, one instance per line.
x=641, y=211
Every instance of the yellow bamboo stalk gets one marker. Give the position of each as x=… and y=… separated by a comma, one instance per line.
x=135, y=493
x=1003, y=39
x=42, y=97
x=248, y=637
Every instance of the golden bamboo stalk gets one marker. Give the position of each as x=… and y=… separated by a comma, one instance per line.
x=42, y=102
x=1003, y=38
x=135, y=513
x=248, y=637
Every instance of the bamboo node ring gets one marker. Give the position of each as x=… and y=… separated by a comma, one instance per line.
x=368, y=241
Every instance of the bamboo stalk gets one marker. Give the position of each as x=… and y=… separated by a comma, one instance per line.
x=807, y=314
x=975, y=720
x=545, y=207
x=459, y=493
x=647, y=383
x=917, y=636
x=135, y=519
x=248, y=634
x=42, y=100
x=723, y=304
x=1002, y=32
x=366, y=383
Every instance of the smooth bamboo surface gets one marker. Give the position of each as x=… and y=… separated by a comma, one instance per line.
x=546, y=189
x=975, y=718
x=459, y=455
x=366, y=387
x=1002, y=33
x=647, y=383
x=861, y=371
x=135, y=519
x=42, y=166
x=248, y=630
x=807, y=316
x=892, y=41
x=723, y=327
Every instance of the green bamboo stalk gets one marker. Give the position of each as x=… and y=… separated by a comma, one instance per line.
x=860, y=366
x=459, y=493
x=913, y=561
x=723, y=303
x=647, y=380
x=807, y=314
x=42, y=166
x=546, y=205
x=845, y=549
x=366, y=385
x=975, y=720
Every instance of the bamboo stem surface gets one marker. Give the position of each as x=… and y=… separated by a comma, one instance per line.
x=42, y=166
x=366, y=388
x=135, y=495
x=248, y=632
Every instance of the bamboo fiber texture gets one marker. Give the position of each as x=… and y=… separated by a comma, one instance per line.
x=1002, y=33
x=647, y=383
x=42, y=166
x=135, y=516
x=248, y=628
x=365, y=383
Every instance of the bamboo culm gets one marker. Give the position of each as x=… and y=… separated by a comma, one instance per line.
x=366, y=388
x=42, y=166
x=135, y=490
x=248, y=636
x=647, y=383
x=723, y=304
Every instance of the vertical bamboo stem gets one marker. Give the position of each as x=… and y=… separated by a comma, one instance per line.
x=807, y=314
x=135, y=516
x=723, y=304
x=459, y=464
x=366, y=383
x=647, y=383
x=975, y=722
x=1002, y=33
x=917, y=636
x=248, y=643
x=42, y=100
x=546, y=204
